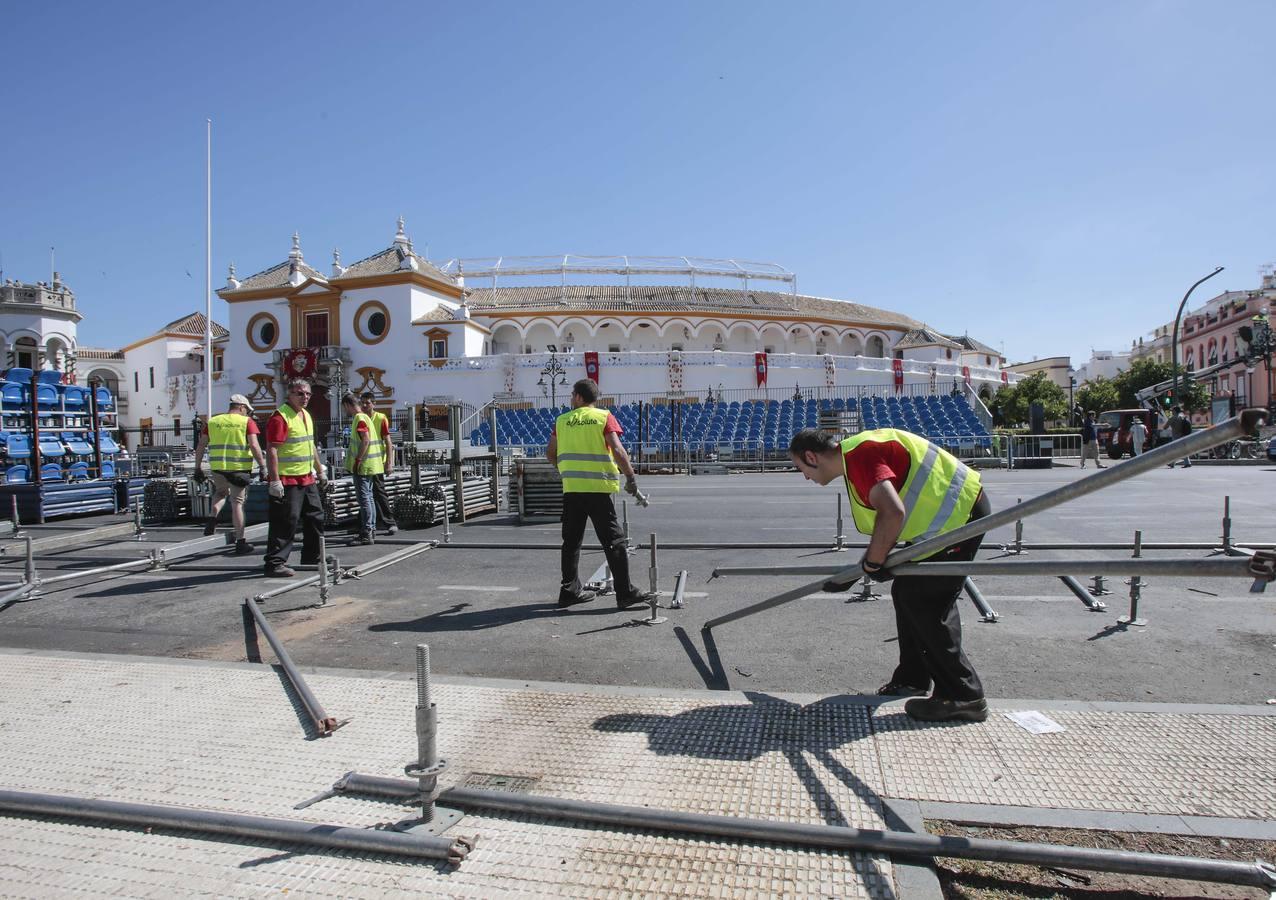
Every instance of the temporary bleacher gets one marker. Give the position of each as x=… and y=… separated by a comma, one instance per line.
x=66, y=433
x=948, y=421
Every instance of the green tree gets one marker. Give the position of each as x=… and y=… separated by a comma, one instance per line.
x=1036, y=388
x=1099, y=393
x=1148, y=372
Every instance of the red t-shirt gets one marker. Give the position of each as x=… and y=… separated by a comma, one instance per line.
x=277, y=433
x=612, y=427
x=872, y=462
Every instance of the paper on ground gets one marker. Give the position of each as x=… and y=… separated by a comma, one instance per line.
x=1031, y=720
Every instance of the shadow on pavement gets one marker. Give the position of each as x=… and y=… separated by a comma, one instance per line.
x=454, y=618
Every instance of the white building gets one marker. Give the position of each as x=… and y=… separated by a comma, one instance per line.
x=38, y=325
x=1103, y=364
x=411, y=331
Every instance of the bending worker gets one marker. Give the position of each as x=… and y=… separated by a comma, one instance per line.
x=381, y=428
x=296, y=476
x=902, y=487
x=231, y=441
x=585, y=445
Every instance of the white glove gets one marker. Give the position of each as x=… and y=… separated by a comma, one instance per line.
x=276, y=489
x=322, y=472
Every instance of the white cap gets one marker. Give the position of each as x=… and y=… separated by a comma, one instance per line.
x=240, y=400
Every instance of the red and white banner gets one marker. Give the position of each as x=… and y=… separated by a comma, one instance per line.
x=759, y=363
x=1005, y=377
x=591, y=365
x=965, y=373
x=830, y=372
x=897, y=366
x=300, y=363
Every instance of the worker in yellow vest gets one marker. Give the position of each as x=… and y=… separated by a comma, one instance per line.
x=381, y=426
x=902, y=487
x=365, y=459
x=585, y=446
x=296, y=476
x=231, y=442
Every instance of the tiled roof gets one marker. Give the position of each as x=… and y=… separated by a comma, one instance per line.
x=924, y=337
x=274, y=277
x=969, y=343
x=96, y=353
x=677, y=298
x=193, y=325
x=389, y=261
x=438, y=314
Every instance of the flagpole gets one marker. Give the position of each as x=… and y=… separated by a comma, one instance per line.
x=208, y=270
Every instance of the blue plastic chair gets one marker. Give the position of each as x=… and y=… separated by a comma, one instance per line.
x=108, y=468
x=19, y=446
x=51, y=472
x=78, y=471
x=17, y=475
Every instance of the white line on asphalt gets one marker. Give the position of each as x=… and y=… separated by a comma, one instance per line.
x=475, y=587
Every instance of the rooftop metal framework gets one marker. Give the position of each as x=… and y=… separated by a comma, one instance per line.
x=691, y=267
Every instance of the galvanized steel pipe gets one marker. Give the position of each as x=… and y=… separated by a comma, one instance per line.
x=893, y=843
x=324, y=723
x=217, y=822
x=1231, y=429
x=1205, y=567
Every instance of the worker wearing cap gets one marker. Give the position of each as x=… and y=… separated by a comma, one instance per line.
x=381, y=427
x=296, y=476
x=585, y=446
x=231, y=441
x=902, y=487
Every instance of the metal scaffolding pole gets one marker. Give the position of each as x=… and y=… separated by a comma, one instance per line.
x=1226, y=431
x=1204, y=567
x=324, y=723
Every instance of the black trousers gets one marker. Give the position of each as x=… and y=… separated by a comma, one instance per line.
x=298, y=504
x=599, y=509
x=385, y=510
x=929, y=624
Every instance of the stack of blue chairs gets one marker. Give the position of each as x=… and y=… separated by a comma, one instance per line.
x=66, y=435
x=770, y=424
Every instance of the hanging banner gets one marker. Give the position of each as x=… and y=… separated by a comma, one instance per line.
x=897, y=365
x=1005, y=377
x=965, y=373
x=830, y=372
x=675, y=372
x=591, y=365
x=300, y=363
x=759, y=363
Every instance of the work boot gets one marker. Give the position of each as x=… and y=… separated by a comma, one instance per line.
x=210, y=527
x=242, y=547
x=279, y=572
x=364, y=538
x=936, y=709
x=894, y=688
x=633, y=597
x=565, y=600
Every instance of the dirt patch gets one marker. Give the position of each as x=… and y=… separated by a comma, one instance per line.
x=294, y=625
x=970, y=879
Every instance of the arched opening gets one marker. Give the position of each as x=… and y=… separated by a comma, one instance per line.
x=55, y=354
x=110, y=380
x=876, y=347
x=505, y=339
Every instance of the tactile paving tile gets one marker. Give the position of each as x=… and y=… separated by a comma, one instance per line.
x=230, y=739
x=1174, y=764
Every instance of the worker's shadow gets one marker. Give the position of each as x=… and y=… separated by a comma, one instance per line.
x=459, y=617
x=764, y=725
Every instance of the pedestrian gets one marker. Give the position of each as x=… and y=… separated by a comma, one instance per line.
x=902, y=487
x=381, y=426
x=1138, y=434
x=585, y=446
x=231, y=441
x=363, y=461
x=1090, y=441
x=1180, y=427
x=296, y=476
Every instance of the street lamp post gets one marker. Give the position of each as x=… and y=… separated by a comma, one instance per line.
x=557, y=374
x=1174, y=341
x=1072, y=406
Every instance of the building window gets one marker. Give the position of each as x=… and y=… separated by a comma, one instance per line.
x=677, y=347
x=947, y=351
x=372, y=322
x=438, y=348
x=136, y=388
x=317, y=329
x=152, y=370
x=263, y=332
x=219, y=361
x=613, y=348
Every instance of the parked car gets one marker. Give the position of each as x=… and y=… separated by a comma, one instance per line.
x=1114, y=431
x=1271, y=449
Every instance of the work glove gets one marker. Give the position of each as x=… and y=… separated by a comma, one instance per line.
x=876, y=571
x=261, y=475
x=321, y=475
x=200, y=476
x=631, y=486
x=276, y=489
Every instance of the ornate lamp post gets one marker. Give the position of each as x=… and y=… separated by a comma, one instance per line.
x=556, y=372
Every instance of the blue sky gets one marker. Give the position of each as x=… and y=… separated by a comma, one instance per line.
x=1046, y=176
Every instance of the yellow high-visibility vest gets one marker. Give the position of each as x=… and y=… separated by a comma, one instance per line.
x=374, y=459
x=297, y=453
x=938, y=494
x=584, y=460
x=228, y=443
x=380, y=419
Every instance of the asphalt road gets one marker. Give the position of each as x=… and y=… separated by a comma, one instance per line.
x=491, y=612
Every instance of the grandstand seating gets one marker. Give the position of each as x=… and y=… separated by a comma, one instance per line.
x=946, y=420
x=66, y=436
